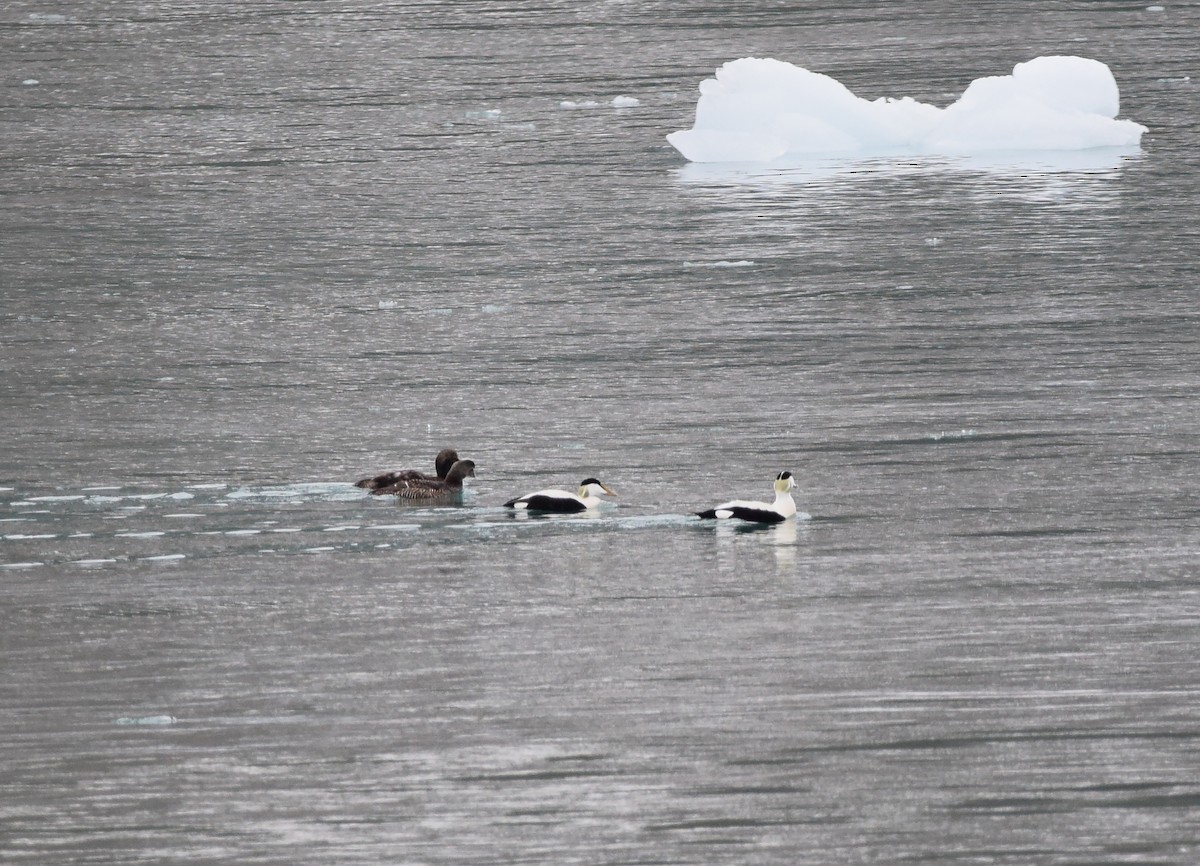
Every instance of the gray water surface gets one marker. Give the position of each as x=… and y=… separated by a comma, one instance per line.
x=250, y=253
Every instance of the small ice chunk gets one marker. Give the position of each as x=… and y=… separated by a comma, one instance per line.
x=722, y=263
x=625, y=102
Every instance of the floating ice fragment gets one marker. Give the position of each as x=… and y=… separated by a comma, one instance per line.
x=1156, y=8
x=762, y=110
x=315, y=490
x=566, y=103
x=486, y=114
x=146, y=720
x=953, y=435
x=21, y=564
x=164, y=558
x=723, y=263
x=625, y=102
x=31, y=82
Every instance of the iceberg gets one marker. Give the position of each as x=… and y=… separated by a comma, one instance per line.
x=764, y=110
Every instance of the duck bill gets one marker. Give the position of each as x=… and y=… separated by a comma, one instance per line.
x=609, y=490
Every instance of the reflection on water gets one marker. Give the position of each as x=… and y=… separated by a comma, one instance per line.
x=1076, y=179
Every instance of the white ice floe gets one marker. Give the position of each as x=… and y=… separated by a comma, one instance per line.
x=615, y=102
x=762, y=110
x=146, y=720
x=332, y=490
x=722, y=263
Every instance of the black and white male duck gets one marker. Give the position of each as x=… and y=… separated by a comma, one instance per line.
x=758, y=512
x=561, y=501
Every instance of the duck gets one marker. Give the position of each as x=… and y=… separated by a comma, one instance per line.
x=562, y=501
x=428, y=489
x=758, y=512
x=446, y=458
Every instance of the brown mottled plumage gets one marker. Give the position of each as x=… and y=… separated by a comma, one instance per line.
x=426, y=489
x=446, y=458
